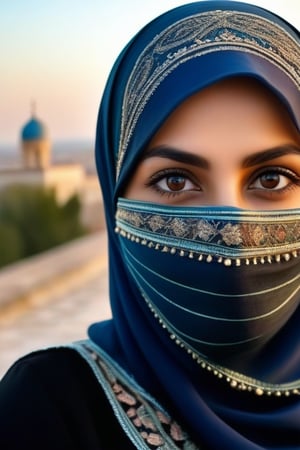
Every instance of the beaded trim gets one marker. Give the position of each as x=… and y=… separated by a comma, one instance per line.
x=257, y=240
x=192, y=37
x=235, y=379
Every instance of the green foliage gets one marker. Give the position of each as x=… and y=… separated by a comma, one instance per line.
x=32, y=221
x=11, y=244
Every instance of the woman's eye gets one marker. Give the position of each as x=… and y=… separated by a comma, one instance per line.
x=175, y=183
x=274, y=180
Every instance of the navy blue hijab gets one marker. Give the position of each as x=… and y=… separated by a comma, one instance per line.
x=176, y=55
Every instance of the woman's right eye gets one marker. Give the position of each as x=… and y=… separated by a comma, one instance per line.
x=172, y=182
x=175, y=183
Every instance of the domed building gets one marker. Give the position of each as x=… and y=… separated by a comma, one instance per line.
x=35, y=145
x=36, y=168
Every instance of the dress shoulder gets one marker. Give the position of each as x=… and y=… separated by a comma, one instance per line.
x=77, y=397
x=52, y=399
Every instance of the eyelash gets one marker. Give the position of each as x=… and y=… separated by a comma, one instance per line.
x=157, y=177
x=292, y=176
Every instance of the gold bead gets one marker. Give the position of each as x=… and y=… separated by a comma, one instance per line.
x=259, y=391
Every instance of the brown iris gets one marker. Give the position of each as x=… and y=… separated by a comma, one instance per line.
x=270, y=180
x=176, y=182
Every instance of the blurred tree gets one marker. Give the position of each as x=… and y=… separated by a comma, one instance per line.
x=11, y=244
x=34, y=214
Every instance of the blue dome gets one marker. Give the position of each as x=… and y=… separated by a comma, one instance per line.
x=34, y=129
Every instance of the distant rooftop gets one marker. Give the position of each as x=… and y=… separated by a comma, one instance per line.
x=34, y=129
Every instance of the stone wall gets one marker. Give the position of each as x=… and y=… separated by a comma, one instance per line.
x=40, y=277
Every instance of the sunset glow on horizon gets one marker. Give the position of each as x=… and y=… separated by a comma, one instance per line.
x=59, y=54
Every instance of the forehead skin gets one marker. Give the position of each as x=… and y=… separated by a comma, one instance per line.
x=224, y=113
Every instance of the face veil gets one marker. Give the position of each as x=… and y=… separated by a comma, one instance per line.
x=176, y=254
x=176, y=55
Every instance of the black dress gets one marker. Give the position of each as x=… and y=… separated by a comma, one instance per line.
x=52, y=400
x=76, y=397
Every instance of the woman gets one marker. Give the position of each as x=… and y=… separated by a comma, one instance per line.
x=198, y=152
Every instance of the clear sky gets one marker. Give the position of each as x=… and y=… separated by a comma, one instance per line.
x=59, y=53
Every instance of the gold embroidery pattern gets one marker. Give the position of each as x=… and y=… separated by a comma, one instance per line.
x=195, y=36
x=154, y=426
x=239, y=235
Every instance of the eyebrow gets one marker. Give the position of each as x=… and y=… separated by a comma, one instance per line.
x=272, y=153
x=199, y=161
x=176, y=155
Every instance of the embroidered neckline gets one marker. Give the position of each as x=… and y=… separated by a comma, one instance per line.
x=146, y=423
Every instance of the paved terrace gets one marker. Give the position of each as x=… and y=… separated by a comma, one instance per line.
x=52, y=298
